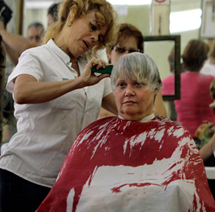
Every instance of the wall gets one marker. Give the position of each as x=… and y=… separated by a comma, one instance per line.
x=34, y=15
x=183, y=6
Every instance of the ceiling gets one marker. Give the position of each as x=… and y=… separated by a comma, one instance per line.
x=44, y=4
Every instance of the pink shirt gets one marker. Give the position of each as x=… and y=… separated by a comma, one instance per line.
x=168, y=85
x=193, y=107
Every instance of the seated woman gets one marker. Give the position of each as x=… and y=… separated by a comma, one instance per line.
x=129, y=39
x=136, y=161
x=192, y=108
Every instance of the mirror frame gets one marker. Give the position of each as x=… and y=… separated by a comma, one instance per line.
x=206, y=20
x=177, y=40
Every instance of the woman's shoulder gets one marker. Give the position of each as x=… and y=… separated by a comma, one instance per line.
x=101, y=122
x=172, y=128
x=163, y=119
x=168, y=122
x=35, y=52
x=168, y=79
x=196, y=77
x=158, y=121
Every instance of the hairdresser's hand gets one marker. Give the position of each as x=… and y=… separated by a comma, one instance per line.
x=90, y=78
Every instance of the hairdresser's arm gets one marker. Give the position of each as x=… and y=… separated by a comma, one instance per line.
x=207, y=150
x=159, y=106
x=12, y=55
x=109, y=104
x=28, y=90
x=15, y=42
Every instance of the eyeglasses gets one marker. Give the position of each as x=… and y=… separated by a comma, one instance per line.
x=122, y=49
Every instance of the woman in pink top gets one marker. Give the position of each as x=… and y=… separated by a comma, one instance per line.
x=193, y=107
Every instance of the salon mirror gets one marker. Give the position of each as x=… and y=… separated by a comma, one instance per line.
x=159, y=49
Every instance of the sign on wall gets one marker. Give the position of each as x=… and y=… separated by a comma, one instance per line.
x=208, y=19
x=160, y=1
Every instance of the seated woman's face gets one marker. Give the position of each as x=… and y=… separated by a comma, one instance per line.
x=134, y=100
x=127, y=46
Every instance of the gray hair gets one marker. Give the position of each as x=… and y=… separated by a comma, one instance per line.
x=37, y=25
x=137, y=66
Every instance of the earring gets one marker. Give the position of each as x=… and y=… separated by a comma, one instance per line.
x=69, y=24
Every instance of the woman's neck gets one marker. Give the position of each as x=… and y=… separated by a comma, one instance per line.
x=212, y=60
x=75, y=66
x=59, y=42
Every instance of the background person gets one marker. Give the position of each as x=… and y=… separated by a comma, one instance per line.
x=207, y=138
x=205, y=132
x=209, y=65
x=16, y=44
x=169, y=84
x=129, y=39
x=53, y=13
x=56, y=95
x=136, y=161
x=35, y=32
x=208, y=150
x=193, y=107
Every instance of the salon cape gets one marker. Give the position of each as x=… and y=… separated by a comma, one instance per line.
x=122, y=166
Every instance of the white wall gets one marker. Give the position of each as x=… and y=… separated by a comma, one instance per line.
x=34, y=15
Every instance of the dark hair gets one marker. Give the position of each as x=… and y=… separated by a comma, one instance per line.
x=53, y=11
x=2, y=53
x=125, y=30
x=171, y=59
x=194, y=55
x=37, y=25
